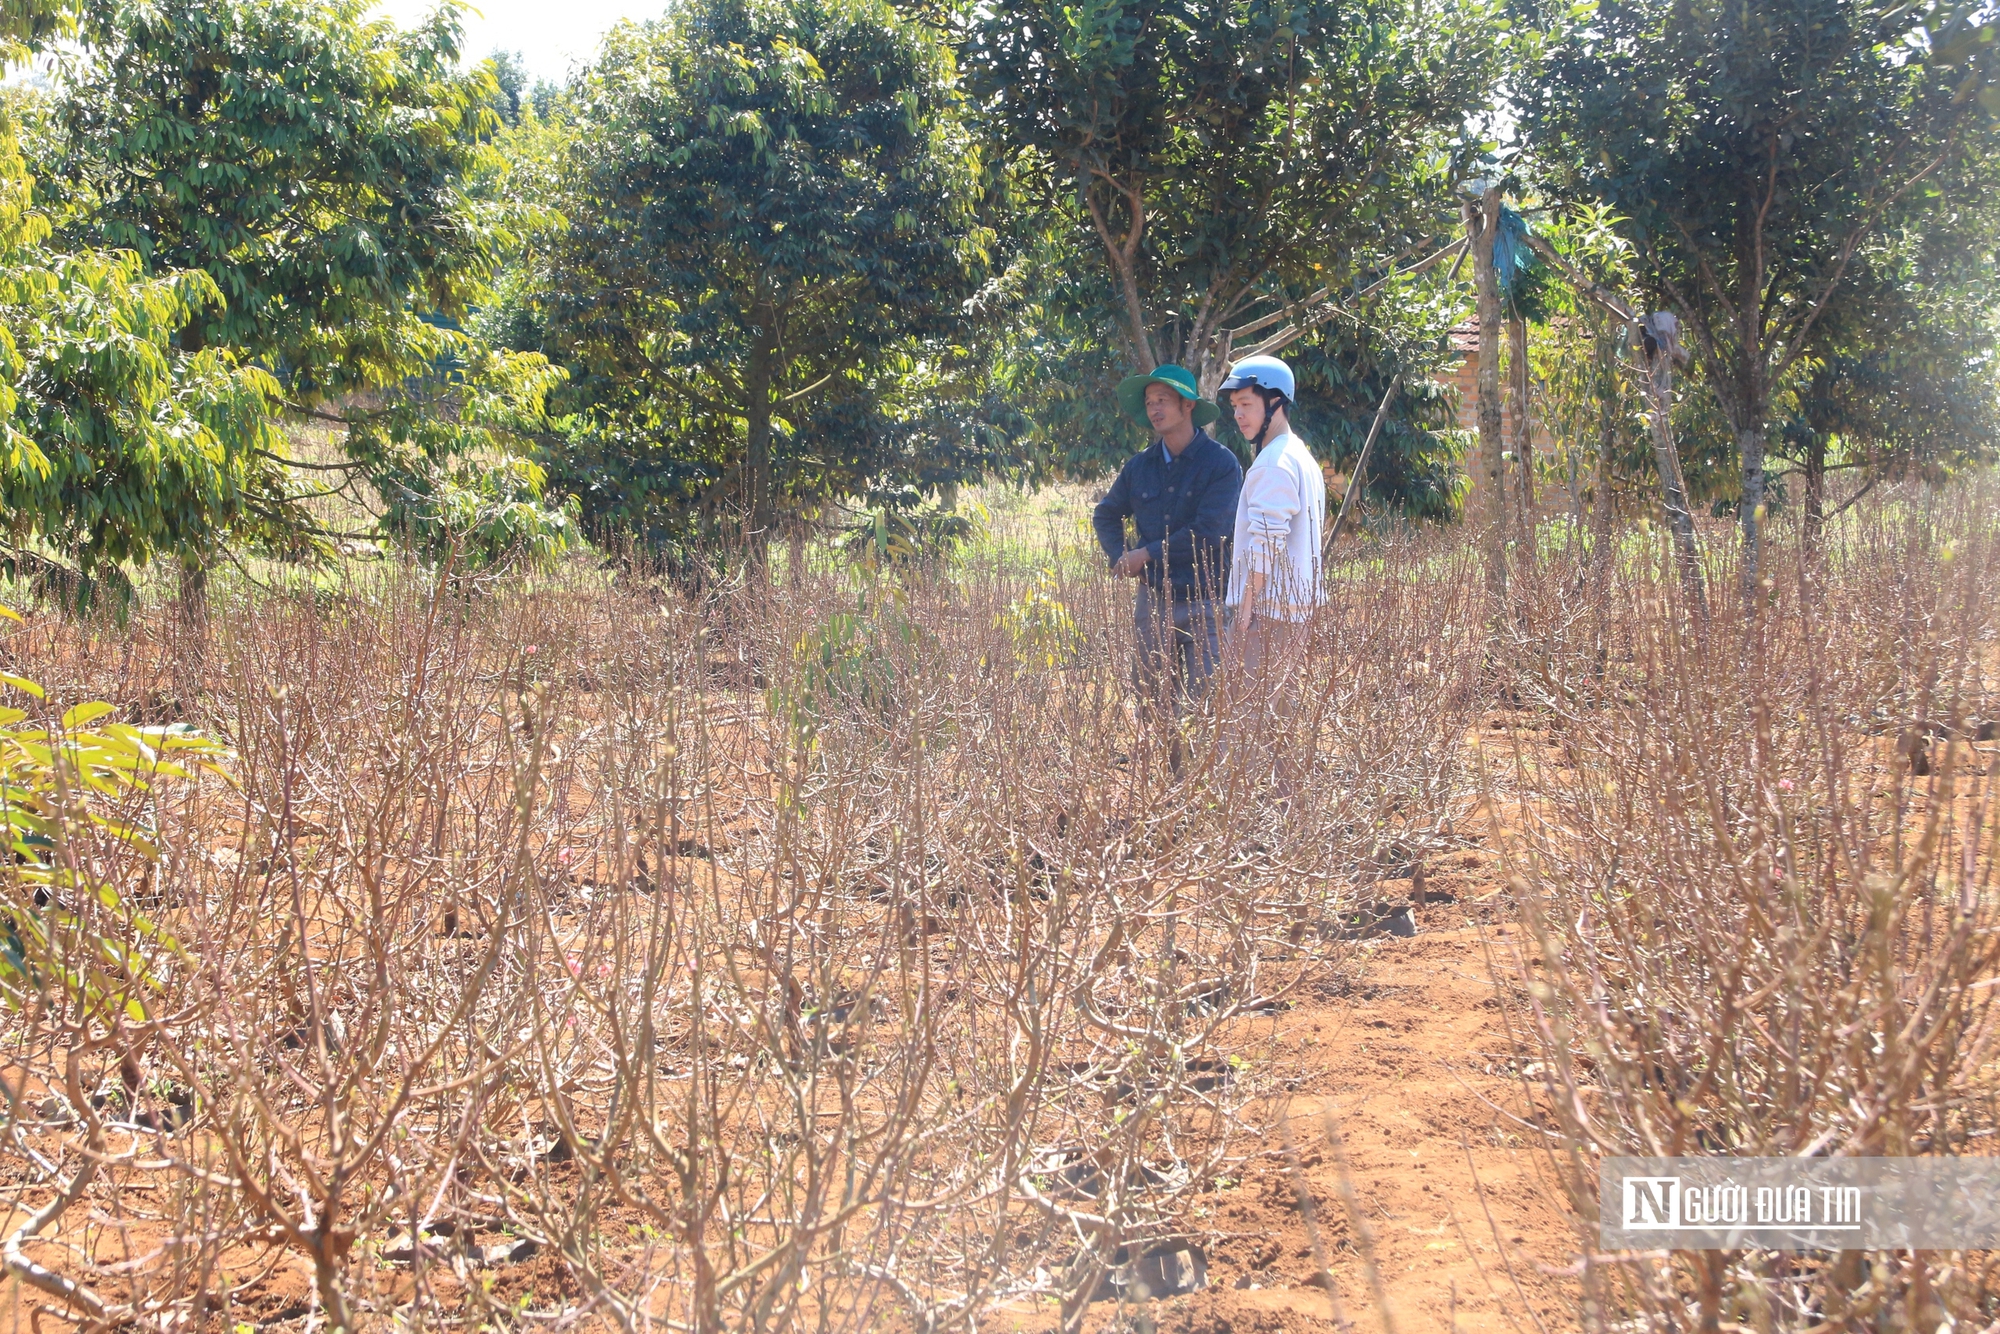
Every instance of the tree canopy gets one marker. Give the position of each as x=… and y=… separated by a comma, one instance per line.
x=325, y=177
x=116, y=443
x=316, y=165
x=1754, y=152
x=1219, y=160
x=770, y=263
x=772, y=231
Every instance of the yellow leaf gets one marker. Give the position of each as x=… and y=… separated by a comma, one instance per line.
x=22, y=683
x=83, y=715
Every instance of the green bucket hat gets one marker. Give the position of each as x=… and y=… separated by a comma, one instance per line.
x=1132, y=394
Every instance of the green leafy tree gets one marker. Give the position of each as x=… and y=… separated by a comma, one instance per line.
x=117, y=443
x=329, y=178
x=1227, y=160
x=1755, y=152
x=1900, y=376
x=316, y=165
x=772, y=232
x=511, y=91
x=1052, y=353
x=119, y=446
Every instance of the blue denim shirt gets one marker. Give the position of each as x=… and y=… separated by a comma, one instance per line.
x=1185, y=511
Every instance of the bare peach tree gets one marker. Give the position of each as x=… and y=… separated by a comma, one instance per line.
x=1758, y=873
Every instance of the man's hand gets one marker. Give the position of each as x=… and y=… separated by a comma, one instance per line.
x=1129, y=564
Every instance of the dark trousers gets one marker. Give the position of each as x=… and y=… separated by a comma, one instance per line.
x=1178, y=649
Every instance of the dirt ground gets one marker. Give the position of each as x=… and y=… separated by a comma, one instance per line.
x=1466, y=1222
x=1411, y=1067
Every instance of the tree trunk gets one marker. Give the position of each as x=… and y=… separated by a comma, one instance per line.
x=1750, y=446
x=1212, y=367
x=1750, y=396
x=1573, y=483
x=1659, y=362
x=190, y=634
x=1524, y=442
x=1122, y=254
x=1602, y=515
x=1815, y=511
x=757, y=507
x=1489, y=479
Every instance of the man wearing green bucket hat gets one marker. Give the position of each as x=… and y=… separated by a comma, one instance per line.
x=1180, y=494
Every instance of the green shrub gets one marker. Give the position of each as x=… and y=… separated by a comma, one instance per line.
x=69, y=932
x=1039, y=625
x=850, y=663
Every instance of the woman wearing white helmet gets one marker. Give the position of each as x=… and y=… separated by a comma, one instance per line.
x=1274, y=578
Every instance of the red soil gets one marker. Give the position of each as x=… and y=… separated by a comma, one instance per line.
x=1413, y=1068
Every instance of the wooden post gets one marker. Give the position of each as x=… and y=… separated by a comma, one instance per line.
x=1489, y=478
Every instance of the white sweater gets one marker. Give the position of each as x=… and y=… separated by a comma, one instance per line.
x=1280, y=514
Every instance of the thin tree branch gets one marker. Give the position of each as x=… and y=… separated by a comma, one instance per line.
x=1848, y=504
x=349, y=466
x=1325, y=293
x=1584, y=284
x=1797, y=343
x=1358, y=477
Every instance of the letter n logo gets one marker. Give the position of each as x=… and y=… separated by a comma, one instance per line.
x=1652, y=1202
